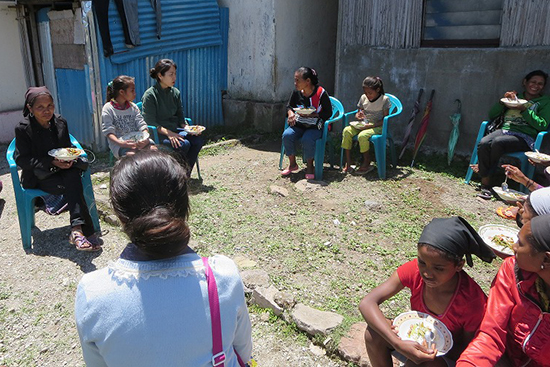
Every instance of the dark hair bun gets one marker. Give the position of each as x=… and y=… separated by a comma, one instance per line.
x=149, y=196
x=153, y=73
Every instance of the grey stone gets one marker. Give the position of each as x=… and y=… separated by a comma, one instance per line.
x=264, y=297
x=285, y=300
x=373, y=205
x=112, y=220
x=314, y=321
x=278, y=190
x=254, y=278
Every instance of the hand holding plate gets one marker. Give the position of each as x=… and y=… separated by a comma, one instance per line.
x=416, y=352
x=62, y=164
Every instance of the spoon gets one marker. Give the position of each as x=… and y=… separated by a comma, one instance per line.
x=505, y=184
x=429, y=336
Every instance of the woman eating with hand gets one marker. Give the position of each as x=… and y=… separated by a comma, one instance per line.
x=516, y=325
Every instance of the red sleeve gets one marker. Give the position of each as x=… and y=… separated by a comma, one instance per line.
x=477, y=300
x=489, y=344
x=407, y=272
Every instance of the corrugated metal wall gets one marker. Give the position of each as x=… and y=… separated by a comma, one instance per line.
x=525, y=23
x=202, y=68
x=393, y=24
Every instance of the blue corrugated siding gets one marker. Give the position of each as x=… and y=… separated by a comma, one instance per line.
x=202, y=72
x=73, y=93
x=186, y=24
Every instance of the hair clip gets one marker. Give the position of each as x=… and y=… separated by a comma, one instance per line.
x=313, y=71
x=110, y=84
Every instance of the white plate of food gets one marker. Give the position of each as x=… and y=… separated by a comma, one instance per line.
x=66, y=154
x=304, y=110
x=413, y=325
x=135, y=136
x=194, y=129
x=509, y=102
x=509, y=195
x=538, y=157
x=358, y=124
x=499, y=238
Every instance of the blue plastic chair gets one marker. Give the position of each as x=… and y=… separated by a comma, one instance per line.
x=319, y=158
x=379, y=141
x=526, y=167
x=154, y=133
x=25, y=198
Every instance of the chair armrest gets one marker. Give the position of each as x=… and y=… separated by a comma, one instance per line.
x=154, y=132
x=188, y=121
x=347, y=117
x=76, y=144
x=540, y=137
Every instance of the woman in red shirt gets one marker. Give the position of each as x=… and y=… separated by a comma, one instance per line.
x=439, y=287
x=517, y=320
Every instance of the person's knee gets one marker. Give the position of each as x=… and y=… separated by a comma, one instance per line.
x=373, y=338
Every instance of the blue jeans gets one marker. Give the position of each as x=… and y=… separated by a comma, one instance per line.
x=309, y=137
x=189, y=148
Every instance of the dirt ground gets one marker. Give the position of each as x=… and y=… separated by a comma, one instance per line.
x=37, y=290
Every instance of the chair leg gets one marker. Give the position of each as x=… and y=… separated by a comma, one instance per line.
x=470, y=172
x=282, y=156
x=198, y=169
x=319, y=159
x=90, y=199
x=380, y=155
x=26, y=219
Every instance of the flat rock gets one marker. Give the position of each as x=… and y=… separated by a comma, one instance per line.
x=352, y=346
x=373, y=205
x=314, y=321
x=254, y=278
x=278, y=190
x=265, y=298
x=243, y=262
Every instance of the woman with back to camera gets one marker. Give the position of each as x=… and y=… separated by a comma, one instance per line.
x=162, y=108
x=38, y=133
x=152, y=306
x=522, y=123
x=309, y=128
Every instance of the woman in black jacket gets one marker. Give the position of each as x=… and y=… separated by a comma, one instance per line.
x=39, y=132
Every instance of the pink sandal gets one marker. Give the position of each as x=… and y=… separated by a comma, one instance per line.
x=310, y=176
x=290, y=170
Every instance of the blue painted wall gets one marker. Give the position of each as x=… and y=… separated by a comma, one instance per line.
x=73, y=93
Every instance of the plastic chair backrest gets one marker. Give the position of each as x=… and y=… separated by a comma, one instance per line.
x=395, y=109
x=337, y=109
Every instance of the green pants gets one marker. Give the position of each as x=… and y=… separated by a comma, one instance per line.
x=363, y=137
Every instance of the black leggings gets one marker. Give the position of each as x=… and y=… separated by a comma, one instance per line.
x=494, y=146
x=69, y=183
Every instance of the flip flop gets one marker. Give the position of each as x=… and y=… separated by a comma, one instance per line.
x=365, y=171
x=288, y=171
x=310, y=176
x=485, y=194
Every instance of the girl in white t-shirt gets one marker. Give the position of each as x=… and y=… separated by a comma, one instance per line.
x=373, y=106
x=121, y=118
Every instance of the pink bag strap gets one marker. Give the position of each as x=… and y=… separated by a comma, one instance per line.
x=218, y=358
